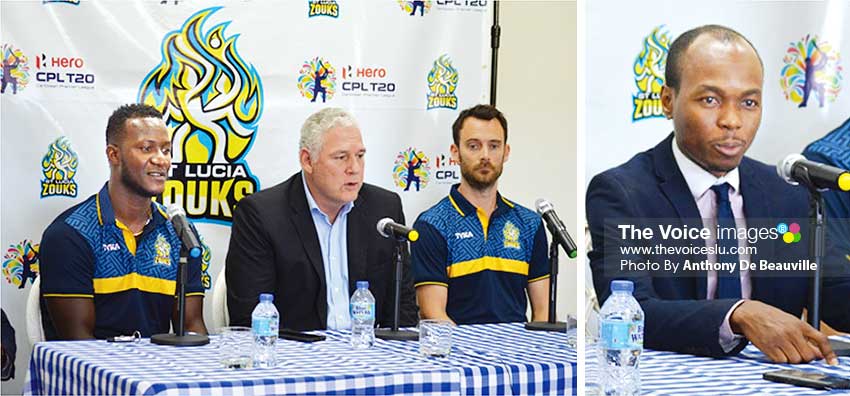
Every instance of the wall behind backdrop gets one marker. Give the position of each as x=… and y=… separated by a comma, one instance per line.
x=236, y=80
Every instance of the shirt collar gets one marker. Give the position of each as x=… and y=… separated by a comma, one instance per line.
x=315, y=207
x=106, y=215
x=700, y=180
x=464, y=207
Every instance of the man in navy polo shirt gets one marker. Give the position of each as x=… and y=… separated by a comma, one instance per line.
x=109, y=264
x=478, y=253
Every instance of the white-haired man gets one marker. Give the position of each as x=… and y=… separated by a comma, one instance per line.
x=309, y=239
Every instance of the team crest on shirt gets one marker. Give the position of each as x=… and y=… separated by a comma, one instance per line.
x=511, y=236
x=163, y=251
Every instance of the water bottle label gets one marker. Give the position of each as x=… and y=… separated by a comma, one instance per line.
x=362, y=311
x=264, y=327
x=622, y=335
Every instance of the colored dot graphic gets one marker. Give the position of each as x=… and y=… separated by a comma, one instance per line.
x=790, y=233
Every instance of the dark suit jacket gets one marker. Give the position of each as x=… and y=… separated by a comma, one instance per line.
x=677, y=315
x=274, y=248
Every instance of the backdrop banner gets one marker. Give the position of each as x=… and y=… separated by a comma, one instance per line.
x=235, y=81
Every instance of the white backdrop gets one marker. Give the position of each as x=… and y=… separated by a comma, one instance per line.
x=615, y=40
x=78, y=60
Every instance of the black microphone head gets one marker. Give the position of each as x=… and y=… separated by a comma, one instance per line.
x=382, y=226
x=785, y=167
x=543, y=206
x=174, y=210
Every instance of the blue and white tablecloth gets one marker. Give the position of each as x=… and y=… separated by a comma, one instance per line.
x=669, y=373
x=495, y=359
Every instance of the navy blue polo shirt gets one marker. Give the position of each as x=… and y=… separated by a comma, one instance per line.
x=486, y=263
x=86, y=252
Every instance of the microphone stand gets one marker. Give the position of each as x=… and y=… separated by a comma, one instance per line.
x=181, y=338
x=817, y=247
x=394, y=333
x=552, y=324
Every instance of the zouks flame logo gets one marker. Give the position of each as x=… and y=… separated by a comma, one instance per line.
x=317, y=77
x=442, y=83
x=411, y=167
x=212, y=101
x=206, y=256
x=20, y=263
x=15, y=69
x=59, y=167
x=812, y=69
x=649, y=69
x=411, y=7
x=329, y=8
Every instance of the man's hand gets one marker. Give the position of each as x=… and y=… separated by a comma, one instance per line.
x=782, y=337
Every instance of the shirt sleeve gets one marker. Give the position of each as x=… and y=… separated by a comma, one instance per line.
x=194, y=285
x=729, y=340
x=429, y=256
x=66, y=263
x=539, y=266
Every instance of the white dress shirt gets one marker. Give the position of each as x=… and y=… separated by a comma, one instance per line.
x=700, y=182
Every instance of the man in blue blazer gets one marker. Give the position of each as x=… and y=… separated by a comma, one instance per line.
x=698, y=176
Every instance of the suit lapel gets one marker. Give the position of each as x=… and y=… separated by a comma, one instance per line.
x=358, y=232
x=306, y=230
x=674, y=187
x=756, y=208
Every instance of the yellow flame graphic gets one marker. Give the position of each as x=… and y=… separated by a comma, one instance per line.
x=442, y=80
x=60, y=162
x=650, y=63
x=211, y=98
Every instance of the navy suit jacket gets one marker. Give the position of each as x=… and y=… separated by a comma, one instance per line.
x=677, y=315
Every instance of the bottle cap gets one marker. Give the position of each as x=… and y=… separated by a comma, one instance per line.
x=622, y=285
x=362, y=284
x=266, y=297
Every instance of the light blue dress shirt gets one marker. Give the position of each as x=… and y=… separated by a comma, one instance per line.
x=333, y=239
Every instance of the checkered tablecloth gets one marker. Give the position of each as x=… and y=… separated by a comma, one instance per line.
x=495, y=359
x=668, y=373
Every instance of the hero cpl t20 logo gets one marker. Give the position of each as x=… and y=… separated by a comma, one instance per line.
x=442, y=83
x=211, y=100
x=811, y=67
x=59, y=167
x=15, y=69
x=317, y=77
x=649, y=69
x=411, y=167
x=329, y=8
x=20, y=263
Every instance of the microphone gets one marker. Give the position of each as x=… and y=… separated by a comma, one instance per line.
x=184, y=230
x=556, y=227
x=797, y=169
x=390, y=229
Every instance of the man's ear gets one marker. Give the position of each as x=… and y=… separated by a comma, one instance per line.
x=668, y=96
x=113, y=155
x=455, y=153
x=306, y=160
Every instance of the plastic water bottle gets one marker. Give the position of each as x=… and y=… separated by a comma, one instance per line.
x=265, y=321
x=620, y=341
x=362, y=317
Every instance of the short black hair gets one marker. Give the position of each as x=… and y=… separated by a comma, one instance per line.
x=673, y=70
x=482, y=112
x=115, y=126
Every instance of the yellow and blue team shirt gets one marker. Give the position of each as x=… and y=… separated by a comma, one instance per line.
x=86, y=252
x=486, y=263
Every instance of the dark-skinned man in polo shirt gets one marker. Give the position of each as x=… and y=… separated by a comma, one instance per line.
x=109, y=264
